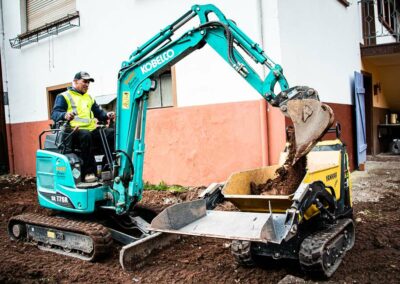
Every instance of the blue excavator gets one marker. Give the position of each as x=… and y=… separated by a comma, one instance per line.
x=92, y=215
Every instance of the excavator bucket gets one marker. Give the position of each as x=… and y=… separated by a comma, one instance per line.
x=311, y=119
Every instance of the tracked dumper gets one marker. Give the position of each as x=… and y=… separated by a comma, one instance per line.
x=313, y=225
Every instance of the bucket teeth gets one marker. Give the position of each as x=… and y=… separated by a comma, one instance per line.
x=311, y=119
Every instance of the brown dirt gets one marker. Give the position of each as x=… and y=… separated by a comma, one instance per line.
x=288, y=177
x=374, y=259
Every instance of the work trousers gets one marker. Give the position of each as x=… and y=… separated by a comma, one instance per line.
x=90, y=144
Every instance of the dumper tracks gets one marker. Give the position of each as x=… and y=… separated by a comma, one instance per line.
x=322, y=252
x=83, y=240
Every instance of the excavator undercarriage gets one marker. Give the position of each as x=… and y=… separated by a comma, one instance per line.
x=84, y=240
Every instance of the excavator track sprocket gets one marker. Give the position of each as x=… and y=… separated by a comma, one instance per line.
x=83, y=240
x=321, y=253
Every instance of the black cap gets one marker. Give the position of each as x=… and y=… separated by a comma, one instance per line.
x=83, y=75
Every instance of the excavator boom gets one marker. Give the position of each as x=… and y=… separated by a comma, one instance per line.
x=137, y=79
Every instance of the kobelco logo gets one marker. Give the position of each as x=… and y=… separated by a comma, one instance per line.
x=165, y=56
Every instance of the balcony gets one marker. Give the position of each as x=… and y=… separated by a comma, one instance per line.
x=381, y=21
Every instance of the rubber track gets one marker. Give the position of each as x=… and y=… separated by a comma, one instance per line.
x=241, y=250
x=312, y=249
x=99, y=234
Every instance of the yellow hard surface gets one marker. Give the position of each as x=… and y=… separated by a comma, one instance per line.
x=323, y=166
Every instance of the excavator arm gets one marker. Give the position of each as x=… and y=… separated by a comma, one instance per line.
x=137, y=79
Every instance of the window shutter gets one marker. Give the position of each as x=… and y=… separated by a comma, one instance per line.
x=41, y=12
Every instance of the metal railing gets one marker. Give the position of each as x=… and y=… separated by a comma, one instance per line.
x=381, y=21
x=53, y=28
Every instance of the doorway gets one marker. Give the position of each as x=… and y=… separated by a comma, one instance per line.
x=368, y=111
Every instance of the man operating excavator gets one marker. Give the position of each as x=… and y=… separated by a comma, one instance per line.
x=80, y=109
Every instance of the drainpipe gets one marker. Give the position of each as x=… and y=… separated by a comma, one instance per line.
x=263, y=103
x=5, y=89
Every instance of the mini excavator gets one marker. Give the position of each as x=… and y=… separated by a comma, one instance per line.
x=91, y=215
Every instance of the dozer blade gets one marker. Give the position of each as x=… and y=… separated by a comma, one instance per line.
x=311, y=119
x=134, y=255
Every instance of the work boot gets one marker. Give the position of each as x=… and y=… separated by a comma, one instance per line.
x=90, y=178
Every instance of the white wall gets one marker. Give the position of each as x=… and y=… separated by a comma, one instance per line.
x=107, y=36
x=320, y=46
x=204, y=77
x=316, y=42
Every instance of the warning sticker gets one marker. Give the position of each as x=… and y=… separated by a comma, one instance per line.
x=126, y=97
x=51, y=234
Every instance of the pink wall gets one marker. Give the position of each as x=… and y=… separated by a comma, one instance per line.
x=187, y=145
x=203, y=144
x=23, y=142
x=276, y=134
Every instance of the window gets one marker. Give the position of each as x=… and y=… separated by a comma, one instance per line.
x=42, y=12
x=43, y=18
x=52, y=93
x=388, y=14
x=163, y=96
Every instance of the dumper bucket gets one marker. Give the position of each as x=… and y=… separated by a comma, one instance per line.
x=192, y=218
x=237, y=190
x=311, y=119
x=262, y=218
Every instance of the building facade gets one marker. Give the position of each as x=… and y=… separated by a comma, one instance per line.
x=212, y=122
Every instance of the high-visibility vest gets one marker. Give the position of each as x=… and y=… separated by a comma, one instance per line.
x=81, y=105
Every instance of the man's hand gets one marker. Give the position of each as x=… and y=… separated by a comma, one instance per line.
x=111, y=115
x=69, y=116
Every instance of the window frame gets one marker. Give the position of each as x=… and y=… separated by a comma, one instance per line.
x=55, y=27
x=172, y=72
x=51, y=94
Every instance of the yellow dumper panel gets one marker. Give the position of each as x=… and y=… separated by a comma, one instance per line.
x=322, y=166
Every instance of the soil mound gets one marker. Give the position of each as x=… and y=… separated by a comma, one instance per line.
x=289, y=176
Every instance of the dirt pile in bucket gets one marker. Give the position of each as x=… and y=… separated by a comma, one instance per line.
x=289, y=176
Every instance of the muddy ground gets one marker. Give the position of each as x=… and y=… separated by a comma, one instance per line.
x=375, y=257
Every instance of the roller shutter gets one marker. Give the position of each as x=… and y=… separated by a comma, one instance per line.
x=41, y=12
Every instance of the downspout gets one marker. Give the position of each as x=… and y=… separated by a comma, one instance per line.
x=5, y=89
x=263, y=103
